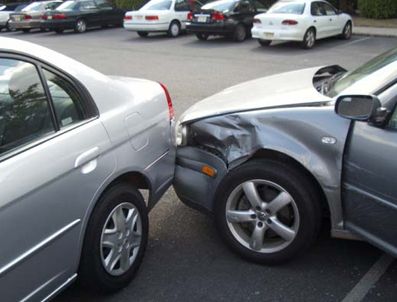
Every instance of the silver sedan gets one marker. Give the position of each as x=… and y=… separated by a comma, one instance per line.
x=76, y=149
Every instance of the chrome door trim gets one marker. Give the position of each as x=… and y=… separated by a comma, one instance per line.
x=29, y=253
x=60, y=288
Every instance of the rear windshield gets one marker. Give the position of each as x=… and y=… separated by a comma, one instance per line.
x=67, y=5
x=158, y=5
x=20, y=7
x=36, y=6
x=287, y=8
x=220, y=6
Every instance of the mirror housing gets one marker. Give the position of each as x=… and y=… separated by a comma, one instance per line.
x=358, y=107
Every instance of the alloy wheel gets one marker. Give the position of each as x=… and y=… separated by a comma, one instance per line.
x=262, y=216
x=121, y=239
x=310, y=39
x=81, y=26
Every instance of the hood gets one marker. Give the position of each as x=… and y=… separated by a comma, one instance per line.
x=286, y=89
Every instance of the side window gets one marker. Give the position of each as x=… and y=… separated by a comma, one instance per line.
x=104, y=4
x=182, y=6
x=329, y=10
x=66, y=100
x=52, y=5
x=87, y=5
x=315, y=9
x=244, y=7
x=260, y=7
x=24, y=110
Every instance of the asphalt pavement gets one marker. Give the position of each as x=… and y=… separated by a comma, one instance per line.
x=185, y=259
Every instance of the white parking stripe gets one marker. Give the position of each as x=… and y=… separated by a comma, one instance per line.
x=357, y=41
x=370, y=278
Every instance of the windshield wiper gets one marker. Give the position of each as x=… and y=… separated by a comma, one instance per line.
x=328, y=84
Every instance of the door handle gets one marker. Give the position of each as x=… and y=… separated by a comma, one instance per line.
x=86, y=157
x=315, y=21
x=330, y=19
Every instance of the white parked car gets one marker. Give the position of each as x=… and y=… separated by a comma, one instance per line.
x=168, y=16
x=302, y=20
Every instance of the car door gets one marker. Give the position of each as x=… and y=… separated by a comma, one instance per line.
x=333, y=20
x=107, y=11
x=181, y=11
x=91, y=13
x=369, y=179
x=320, y=19
x=245, y=12
x=51, y=165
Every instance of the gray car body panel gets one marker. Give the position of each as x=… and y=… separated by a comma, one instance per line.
x=50, y=187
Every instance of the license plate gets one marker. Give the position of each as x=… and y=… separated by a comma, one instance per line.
x=17, y=18
x=139, y=17
x=49, y=17
x=202, y=19
x=269, y=35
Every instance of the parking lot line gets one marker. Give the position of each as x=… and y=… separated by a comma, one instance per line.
x=369, y=279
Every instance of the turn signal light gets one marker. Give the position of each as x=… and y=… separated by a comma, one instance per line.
x=27, y=17
x=207, y=170
x=152, y=18
x=127, y=18
x=289, y=22
x=217, y=16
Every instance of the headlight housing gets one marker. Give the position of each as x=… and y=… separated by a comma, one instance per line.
x=180, y=134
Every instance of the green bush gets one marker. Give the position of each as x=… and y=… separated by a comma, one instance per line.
x=129, y=4
x=378, y=9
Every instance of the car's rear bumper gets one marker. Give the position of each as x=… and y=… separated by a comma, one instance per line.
x=58, y=24
x=290, y=34
x=219, y=28
x=146, y=27
x=193, y=187
x=25, y=24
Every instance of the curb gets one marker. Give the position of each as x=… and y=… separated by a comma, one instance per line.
x=375, y=32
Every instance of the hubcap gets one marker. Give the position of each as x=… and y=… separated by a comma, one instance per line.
x=81, y=27
x=174, y=29
x=347, y=30
x=262, y=216
x=121, y=239
x=310, y=39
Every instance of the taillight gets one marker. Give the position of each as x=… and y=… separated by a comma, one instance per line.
x=127, y=18
x=151, y=18
x=190, y=16
x=257, y=21
x=27, y=17
x=289, y=22
x=217, y=16
x=171, y=111
x=44, y=17
x=59, y=17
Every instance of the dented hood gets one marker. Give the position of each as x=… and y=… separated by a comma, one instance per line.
x=286, y=89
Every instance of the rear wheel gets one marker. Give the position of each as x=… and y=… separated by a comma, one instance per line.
x=202, y=37
x=174, y=30
x=115, y=240
x=309, y=39
x=142, y=34
x=264, y=42
x=26, y=30
x=7, y=27
x=347, y=31
x=267, y=211
x=240, y=33
x=80, y=26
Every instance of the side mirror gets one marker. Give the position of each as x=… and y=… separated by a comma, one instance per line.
x=357, y=107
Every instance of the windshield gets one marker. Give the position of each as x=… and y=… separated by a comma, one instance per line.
x=158, y=5
x=67, y=5
x=368, y=68
x=220, y=6
x=36, y=6
x=287, y=8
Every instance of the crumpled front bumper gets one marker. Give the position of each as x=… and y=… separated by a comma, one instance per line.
x=193, y=187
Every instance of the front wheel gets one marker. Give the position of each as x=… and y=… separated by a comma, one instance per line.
x=202, y=37
x=115, y=240
x=267, y=211
x=347, y=31
x=174, y=30
x=80, y=26
x=309, y=39
x=142, y=34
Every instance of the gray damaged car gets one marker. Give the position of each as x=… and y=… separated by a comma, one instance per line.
x=273, y=157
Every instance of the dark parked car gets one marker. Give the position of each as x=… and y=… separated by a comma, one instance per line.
x=272, y=157
x=232, y=18
x=80, y=15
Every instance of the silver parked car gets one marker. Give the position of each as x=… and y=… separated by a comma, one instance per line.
x=30, y=16
x=76, y=147
x=272, y=157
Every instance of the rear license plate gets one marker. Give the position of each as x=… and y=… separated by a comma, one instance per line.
x=202, y=19
x=139, y=17
x=17, y=18
x=49, y=17
x=269, y=35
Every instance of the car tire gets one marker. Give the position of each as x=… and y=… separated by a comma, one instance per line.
x=26, y=30
x=309, y=39
x=59, y=31
x=264, y=42
x=80, y=26
x=143, y=34
x=7, y=27
x=347, y=31
x=202, y=37
x=174, y=30
x=240, y=33
x=254, y=233
x=102, y=266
